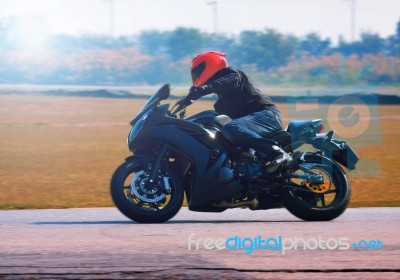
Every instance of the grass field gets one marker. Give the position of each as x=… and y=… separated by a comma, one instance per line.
x=59, y=152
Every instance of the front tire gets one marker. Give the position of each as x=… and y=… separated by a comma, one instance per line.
x=140, y=204
x=319, y=202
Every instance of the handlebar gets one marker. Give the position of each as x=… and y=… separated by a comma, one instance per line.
x=180, y=107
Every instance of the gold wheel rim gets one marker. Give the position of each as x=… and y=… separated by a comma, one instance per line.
x=320, y=187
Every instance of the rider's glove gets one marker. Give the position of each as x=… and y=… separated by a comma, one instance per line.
x=196, y=92
x=184, y=102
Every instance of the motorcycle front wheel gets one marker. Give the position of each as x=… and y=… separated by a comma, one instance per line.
x=141, y=200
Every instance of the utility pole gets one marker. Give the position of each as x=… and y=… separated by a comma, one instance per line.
x=111, y=17
x=215, y=11
x=352, y=20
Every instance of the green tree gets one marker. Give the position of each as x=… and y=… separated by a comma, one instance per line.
x=68, y=43
x=218, y=42
x=314, y=45
x=394, y=42
x=153, y=42
x=369, y=43
x=266, y=49
x=184, y=42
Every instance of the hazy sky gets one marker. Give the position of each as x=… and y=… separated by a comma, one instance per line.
x=329, y=18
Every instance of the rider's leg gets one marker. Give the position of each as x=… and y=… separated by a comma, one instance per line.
x=249, y=131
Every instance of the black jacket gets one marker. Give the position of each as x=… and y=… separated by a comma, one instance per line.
x=237, y=97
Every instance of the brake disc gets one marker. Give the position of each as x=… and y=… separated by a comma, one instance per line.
x=144, y=191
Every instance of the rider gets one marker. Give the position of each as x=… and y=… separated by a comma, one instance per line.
x=254, y=116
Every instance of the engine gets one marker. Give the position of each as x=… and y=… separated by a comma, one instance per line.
x=248, y=171
x=245, y=171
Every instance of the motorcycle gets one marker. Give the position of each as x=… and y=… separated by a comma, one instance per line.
x=176, y=158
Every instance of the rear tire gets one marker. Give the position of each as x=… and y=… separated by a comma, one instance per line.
x=311, y=206
x=136, y=209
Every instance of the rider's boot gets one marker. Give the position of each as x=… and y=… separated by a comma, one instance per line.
x=273, y=156
x=276, y=158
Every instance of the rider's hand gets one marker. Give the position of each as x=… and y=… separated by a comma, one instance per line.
x=184, y=102
x=196, y=92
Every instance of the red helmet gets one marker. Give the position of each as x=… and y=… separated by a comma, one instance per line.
x=205, y=65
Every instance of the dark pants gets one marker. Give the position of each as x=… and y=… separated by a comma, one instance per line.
x=250, y=131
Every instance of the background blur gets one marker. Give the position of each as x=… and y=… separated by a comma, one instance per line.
x=67, y=67
x=138, y=42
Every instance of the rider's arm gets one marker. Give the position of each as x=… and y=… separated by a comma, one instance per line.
x=227, y=83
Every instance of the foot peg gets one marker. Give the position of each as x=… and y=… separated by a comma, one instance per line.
x=281, y=158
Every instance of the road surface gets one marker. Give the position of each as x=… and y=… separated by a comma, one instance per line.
x=101, y=243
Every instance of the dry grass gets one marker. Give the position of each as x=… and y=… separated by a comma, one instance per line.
x=60, y=152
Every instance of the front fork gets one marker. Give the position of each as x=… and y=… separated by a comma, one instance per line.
x=156, y=166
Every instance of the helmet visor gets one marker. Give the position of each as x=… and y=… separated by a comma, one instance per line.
x=196, y=71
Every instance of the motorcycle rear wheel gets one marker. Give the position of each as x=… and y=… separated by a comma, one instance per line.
x=324, y=202
x=135, y=205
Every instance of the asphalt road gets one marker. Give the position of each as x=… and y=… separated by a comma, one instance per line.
x=102, y=244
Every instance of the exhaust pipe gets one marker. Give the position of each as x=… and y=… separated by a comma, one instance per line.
x=252, y=204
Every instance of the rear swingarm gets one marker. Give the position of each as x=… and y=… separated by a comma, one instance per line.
x=309, y=176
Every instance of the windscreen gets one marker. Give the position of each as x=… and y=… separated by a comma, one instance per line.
x=161, y=94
